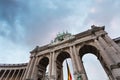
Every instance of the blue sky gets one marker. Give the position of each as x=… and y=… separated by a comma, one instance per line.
x=25, y=24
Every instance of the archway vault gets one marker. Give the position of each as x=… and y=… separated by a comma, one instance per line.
x=44, y=61
x=88, y=49
x=42, y=67
x=62, y=56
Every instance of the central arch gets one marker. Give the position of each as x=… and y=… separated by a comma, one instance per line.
x=63, y=55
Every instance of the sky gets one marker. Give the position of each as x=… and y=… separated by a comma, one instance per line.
x=25, y=24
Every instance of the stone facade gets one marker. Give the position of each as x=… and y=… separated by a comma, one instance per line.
x=12, y=71
x=94, y=40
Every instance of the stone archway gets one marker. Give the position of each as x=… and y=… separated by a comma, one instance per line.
x=42, y=66
x=59, y=61
x=85, y=49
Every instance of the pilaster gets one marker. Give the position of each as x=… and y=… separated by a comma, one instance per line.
x=112, y=43
x=12, y=75
x=7, y=75
x=73, y=63
x=16, y=78
x=107, y=58
x=30, y=68
x=53, y=73
x=34, y=71
x=50, y=66
x=81, y=71
x=26, y=71
x=110, y=51
x=23, y=72
x=3, y=75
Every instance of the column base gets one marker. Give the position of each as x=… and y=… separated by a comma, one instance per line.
x=52, y=77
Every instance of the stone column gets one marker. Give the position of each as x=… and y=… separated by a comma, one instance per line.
x=76, y=58
x=50, y=66
x=30, y=68
x=81, y=70
x=26, y=71
x=23, y=72
x=107, y=58
x=53, y=74
x=8, y=75
x=103, y=53
x=17, y=75
x=3, y=74
x=34, y=71
x=0, y=72
x=13, y=75
x=73, y=63
x=112, y=43
x=110, y=51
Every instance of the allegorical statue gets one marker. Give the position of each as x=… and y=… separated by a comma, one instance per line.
x=61, y=36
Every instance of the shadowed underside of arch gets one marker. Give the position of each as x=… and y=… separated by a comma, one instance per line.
x=88, y=49
x=44, y=62
x=42, y=67
x=62, y=56
x=59, y=62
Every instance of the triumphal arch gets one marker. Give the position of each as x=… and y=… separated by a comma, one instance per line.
x=94, y=40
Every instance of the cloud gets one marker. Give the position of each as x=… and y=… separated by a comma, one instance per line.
x=114, y=27
x=48, y=17
x=103, y=12
x=11, y=16
x=12, y=52
x=32, y=23
x=25, y=24
x=35, y=22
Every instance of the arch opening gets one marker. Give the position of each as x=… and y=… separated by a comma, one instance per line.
x=92, y=63
x=93, y=67
x=42, y=68
x=61, y=65
x=65, y=73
